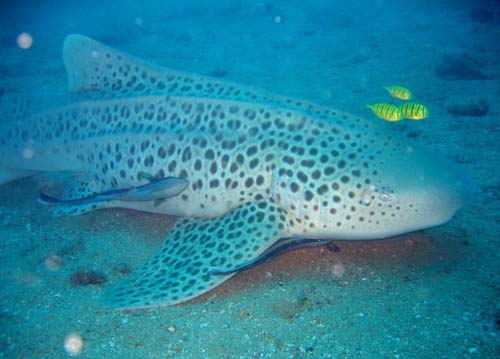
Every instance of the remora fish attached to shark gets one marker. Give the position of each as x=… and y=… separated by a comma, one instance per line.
x=265, y=174
x=158, y=189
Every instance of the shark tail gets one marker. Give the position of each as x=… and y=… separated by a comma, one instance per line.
x=9, y=174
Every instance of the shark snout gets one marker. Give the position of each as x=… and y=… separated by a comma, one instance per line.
x=445, y=191
x=462, y=188
x=429, y=190
x=466, y=188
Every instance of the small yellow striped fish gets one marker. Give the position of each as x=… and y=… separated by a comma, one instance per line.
x=399, y=92
x=386, y=111
x=414, y=111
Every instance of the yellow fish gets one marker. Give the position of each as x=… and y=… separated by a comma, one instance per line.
x=414, y=111
x=386, y=111
x=399, y=92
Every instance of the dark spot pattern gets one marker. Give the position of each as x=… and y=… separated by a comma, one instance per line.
x=210, y=141
x=193, y=248
x=254, y=150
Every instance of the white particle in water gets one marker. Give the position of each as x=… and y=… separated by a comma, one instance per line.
x=24, y=40
x=53, y=262
x=28, y=153
x=73, y=344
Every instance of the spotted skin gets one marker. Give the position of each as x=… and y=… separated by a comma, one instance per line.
x=181, y=269
x=327, y=174
x=231, y=153
x=103, y=72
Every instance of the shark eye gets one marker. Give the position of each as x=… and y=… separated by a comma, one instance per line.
x=386, y=195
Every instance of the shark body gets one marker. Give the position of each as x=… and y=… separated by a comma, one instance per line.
x=264, y=173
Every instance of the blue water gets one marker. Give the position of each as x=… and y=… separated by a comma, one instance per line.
x=434, y=293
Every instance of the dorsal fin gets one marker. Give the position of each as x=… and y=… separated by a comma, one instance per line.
x=93, y=66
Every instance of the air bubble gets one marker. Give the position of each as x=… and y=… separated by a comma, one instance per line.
x=24, y=40
x=28, y=153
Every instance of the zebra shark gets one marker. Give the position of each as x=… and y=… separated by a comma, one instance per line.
x=263, y=174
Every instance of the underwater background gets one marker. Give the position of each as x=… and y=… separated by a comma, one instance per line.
x=430, y=294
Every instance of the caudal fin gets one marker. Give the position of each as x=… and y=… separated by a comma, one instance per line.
x=9, y=174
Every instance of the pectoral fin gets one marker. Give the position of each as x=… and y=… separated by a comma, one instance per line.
x=181, y=269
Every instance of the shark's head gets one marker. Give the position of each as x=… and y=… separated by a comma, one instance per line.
x=375, y=185
x=409, y=189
